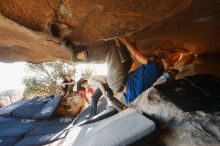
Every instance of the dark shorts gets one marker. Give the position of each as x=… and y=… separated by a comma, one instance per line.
x=68, y=88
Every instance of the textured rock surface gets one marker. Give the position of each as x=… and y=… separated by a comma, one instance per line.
x=155, y=26
x=32, y=14
x=183, y=128
x=71, y=105
x=32, y=31
x=195, y=29
x=18, y=43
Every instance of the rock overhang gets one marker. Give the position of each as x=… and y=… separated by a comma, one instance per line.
x=33, y=31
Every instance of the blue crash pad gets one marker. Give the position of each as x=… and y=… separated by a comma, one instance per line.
x=38, y=108
x=30, y=132
x=12, y=126
x=51, y=126
x=9, y=140
x=6, y=111
x=39, y=140
x=47, y=131
x=30, y=108
x=49, y=108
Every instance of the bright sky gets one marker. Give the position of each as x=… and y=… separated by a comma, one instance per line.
x=98, y=69
x=11, y=74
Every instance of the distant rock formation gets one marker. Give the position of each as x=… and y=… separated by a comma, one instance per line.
x=9, y=96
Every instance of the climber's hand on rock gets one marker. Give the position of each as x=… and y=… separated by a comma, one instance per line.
x=136, y=53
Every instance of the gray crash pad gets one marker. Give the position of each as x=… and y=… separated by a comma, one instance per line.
x=123, y=128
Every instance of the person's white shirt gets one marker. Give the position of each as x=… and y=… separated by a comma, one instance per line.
x=98, y=81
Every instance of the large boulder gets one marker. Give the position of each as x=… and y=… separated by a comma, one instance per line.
x=71, y=105
x=18, y=43
x=182, y=128
x=33, y=31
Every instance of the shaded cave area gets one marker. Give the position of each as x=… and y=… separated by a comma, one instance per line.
x=36, y=31
x=157, y=27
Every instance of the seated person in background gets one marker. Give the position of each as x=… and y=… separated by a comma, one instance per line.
x=102, y=90
x=142, y=75
x=79, y=82
x=80, y=89
x=88, y=91
x=67, y=86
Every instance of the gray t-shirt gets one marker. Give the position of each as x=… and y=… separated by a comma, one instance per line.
x=107, y=52
x=116, y=73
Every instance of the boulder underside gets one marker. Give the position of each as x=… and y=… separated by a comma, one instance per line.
x=33, y=31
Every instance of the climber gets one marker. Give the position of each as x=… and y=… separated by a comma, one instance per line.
x=119, y=63
x=142, y=75
x=79, y=82
x=102, y=90
x=112, y=52
x=67, y=86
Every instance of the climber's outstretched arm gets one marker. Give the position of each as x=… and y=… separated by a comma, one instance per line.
x=137, y=54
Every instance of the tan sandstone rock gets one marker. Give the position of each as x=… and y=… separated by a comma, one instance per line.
x=155, y=26
x=70, y=106
x=18, y=43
